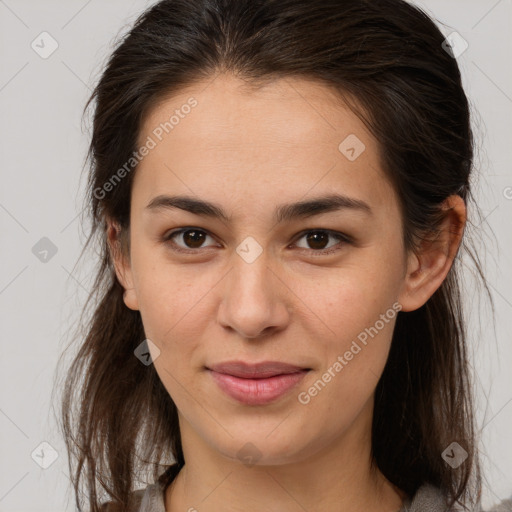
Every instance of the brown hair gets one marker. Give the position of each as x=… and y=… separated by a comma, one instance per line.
x=386, y=60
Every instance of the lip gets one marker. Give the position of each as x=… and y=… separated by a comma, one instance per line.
x=256, y=384
x=255, y=370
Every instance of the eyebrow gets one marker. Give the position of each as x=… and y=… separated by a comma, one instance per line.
x=282, y=213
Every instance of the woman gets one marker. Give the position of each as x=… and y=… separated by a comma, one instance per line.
x=281, y=192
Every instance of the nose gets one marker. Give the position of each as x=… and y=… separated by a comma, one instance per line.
x=255, y=299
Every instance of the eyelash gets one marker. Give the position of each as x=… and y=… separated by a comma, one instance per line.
x=320, y=252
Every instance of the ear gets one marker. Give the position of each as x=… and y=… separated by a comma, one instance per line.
x=119, y=253
x=428, y=266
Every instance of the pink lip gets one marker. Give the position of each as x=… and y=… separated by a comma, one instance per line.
x=256, y=384
x=255, y=371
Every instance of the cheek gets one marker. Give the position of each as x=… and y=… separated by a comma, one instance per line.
x=169, y=294
x=358, y=305
x=353, y=363
x=350, y=299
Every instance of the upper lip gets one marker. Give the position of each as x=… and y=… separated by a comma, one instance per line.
x=255, y=371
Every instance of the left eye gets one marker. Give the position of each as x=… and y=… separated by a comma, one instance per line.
x=193, y=239
x=320, y=236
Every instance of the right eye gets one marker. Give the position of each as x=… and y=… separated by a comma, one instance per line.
x=191, y=237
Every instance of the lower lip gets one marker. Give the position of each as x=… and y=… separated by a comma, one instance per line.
x=257, y=391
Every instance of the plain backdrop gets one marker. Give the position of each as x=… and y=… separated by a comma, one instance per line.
x=42, y=150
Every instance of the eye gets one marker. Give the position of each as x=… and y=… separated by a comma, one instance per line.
x=193, y=239
x=318, y=238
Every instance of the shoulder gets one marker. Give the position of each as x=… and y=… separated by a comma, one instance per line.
x=149, y=499
x=504, y=506
x=431, y=499
x=427, y=499
x=137, y=497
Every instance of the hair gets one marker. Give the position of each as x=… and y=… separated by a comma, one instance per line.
x=386, y=60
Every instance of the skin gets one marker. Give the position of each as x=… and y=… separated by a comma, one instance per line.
x=248, y=152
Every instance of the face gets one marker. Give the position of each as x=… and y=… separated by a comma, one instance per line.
x=319, y=288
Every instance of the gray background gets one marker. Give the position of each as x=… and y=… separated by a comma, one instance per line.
x=42, y=150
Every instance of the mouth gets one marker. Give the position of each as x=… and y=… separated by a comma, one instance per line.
x=256, y=384
x=261, y=370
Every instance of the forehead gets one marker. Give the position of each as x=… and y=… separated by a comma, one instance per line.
x=287, y=136
x=289, y=111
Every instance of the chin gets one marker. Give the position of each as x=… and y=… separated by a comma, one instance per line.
x=263, y=448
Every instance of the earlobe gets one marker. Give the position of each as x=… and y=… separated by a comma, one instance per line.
x=429, y=265
x=130, y=299
x=121, y=265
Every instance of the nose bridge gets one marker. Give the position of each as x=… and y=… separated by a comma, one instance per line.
x=250, y=275
x=253, y=298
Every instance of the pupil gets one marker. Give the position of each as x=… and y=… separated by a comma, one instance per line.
x=197, y=236
x=313, y=238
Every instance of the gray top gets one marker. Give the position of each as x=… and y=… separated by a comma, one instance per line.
x=426, y=499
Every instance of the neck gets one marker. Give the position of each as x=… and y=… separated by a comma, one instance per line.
x=337, y=477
